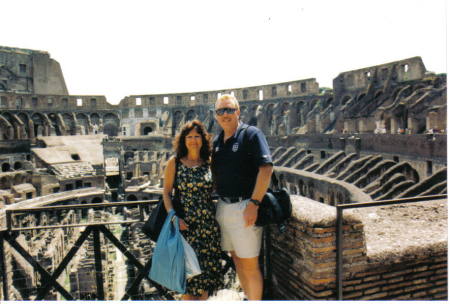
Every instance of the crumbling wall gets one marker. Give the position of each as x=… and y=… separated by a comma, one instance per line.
x=303, y=259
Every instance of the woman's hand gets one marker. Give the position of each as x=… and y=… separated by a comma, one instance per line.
x=182, y=224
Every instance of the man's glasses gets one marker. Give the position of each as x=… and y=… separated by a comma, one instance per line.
x=221, y=111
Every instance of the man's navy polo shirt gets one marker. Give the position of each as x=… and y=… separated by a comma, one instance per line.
x=237, y=169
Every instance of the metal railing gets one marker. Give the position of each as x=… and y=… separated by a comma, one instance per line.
x=339, y=228
x=48, y=280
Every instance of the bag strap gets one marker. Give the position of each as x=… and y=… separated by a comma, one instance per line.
x=245, y=143
x=175, y=183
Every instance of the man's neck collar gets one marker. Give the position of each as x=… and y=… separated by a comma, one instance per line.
x=235, y=133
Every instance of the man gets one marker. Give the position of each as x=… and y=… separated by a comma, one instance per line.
x=241, y=174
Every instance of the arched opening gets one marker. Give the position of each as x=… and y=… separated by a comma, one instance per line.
x=54, y=121
x=148, y=130
x=83, y=121
x=110, y=130
x=111, y=124
x=345, y=99
x=312, y=104
x=330, y=198
x=95, y=119
x=17, y=165
x=190, y=115
x=69, y=123
x=38, y=121
x=378, y=93
x=311, y=190
x=340, y=198
x=24, y=119
x=301, y=113
x=132, y=198
x=97, y=200
x=302, y=188
x=6, y=167
x=292, y=189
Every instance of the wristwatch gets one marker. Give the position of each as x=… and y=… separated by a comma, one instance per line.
x=255, y=202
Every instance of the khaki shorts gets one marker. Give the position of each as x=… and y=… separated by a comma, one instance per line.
x=246, y=242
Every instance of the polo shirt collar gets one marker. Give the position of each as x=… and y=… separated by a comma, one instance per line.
x=238, y=129
x=222, y=133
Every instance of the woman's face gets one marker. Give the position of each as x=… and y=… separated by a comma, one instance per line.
x=193, y=140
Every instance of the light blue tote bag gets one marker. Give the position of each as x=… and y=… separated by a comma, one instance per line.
x=168, y=264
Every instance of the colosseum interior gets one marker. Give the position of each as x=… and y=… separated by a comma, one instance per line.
x=379, y=134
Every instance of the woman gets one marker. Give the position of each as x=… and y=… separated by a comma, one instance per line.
x=196, y=221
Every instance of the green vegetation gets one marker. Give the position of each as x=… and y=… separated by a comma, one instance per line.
x=324, y=89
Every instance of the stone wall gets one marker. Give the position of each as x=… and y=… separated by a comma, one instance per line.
x=303, y=260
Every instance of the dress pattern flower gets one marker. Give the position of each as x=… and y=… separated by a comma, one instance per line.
x=194, y=186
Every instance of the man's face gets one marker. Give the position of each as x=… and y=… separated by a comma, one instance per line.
x=228, y=121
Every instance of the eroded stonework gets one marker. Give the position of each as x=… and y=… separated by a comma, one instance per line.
x=331, y=145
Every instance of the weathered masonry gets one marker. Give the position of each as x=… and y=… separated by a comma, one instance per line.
x=379, y=134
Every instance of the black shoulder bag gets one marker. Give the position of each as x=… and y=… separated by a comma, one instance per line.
x=152, y=228
x=276, y=206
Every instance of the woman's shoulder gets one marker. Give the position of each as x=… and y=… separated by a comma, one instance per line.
x=172, y=161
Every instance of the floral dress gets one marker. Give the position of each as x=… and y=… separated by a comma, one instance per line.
x=194, y=186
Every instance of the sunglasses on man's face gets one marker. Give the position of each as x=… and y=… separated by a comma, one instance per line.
x=221, y=111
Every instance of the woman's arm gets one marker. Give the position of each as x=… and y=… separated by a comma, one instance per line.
x=214, y=176
x=169, y=178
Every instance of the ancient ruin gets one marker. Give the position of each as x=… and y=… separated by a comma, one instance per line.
x=379, y=134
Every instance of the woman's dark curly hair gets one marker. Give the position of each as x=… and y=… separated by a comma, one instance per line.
x=179, y=143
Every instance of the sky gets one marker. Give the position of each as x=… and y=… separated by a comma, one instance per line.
x=122, y=48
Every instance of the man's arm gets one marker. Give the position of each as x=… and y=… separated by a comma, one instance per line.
x=262, y=182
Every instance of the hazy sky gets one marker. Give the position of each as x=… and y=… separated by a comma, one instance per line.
x=121, y=48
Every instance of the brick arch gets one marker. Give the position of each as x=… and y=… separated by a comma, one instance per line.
x=111, y=124
x=345, y=98
x=378, y=93
x=38, y=121
x=361, y=96
x=23, y=117
x=82, y=120
x=132, y=198
x=68, y=119
x=191, y=115
x=5, y=182
x=95, y=118
x=53, y=117
x=312, y=104
x=177, y=117
x=18, y=179
x=301, y=111
x=17, y=165
x=97, y=200
x=8, y=116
